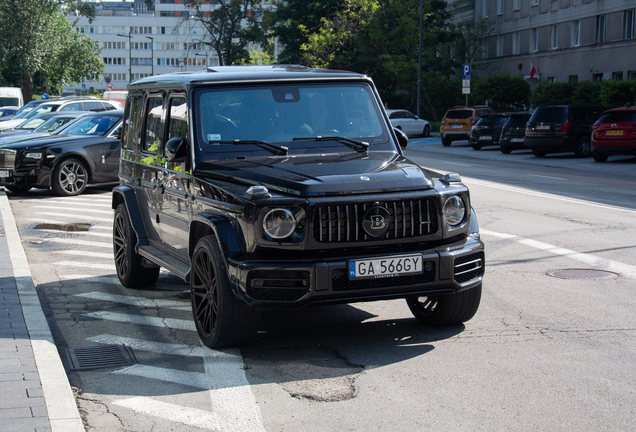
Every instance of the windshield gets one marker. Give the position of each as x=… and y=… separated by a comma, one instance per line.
x=518, y=121
x=92, y=125
x=280, y=113
x=53, y=124
x=459, y=114
x=549, y=115
x=618, y=116
x=30, y=124
x=492, y=121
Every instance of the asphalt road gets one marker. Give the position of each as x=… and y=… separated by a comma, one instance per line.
x=543, y=353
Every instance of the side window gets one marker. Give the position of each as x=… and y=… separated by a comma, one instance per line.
x=593, y=114
x=92, y=106
x=578, y=115
x=132, y=123
x=177, y=126
x=71, y=107
x=409, y=116
x=154, y=124
x=107, y=106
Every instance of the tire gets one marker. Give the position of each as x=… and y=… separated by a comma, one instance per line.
x=539, y=153
x=505, y=150
x=476, y=147
x=427, y=131
x=598, y=157
x=130, y=271
x=18, y=190
x=221, y=319
x=446, y=142
x=70, y=178
x=446, y=310
x=583, y=148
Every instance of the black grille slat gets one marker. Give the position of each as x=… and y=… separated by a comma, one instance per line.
x=342, y=223
x=468, y=267
x=278, y=285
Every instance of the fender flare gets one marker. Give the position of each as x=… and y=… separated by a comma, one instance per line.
x=224, y=230
x=126, y=194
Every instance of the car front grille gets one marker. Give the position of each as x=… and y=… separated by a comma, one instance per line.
x=340, y=280
x=7, y=158
x=278, y=285
x=468, y=267
x=343, y=223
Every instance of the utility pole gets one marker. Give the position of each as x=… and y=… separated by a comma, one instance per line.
x=129, y=53
x=419, y=63
x=152, y=55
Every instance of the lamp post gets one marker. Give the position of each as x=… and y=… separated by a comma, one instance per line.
x=419, y=62
x=129, y=54
x=152, y=55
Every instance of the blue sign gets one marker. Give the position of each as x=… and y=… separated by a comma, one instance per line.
x=466, y=71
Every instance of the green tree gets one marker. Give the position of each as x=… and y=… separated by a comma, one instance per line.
x=617, y=93
x=231, y=26
x=507, y=93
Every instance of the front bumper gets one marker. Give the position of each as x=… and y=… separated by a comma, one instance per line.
x=447, y=269
x=29, y=176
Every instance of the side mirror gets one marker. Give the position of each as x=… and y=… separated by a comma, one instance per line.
x=403, y=140
x=176, y=149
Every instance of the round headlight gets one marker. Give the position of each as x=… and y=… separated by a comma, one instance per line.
x=454, y=210
x=279, y=223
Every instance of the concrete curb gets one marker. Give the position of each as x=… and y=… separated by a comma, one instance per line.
x=58, y=396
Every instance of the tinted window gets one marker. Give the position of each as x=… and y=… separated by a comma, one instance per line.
x=549, y=115
x=459, y=114
x=91, y=125
x=92, y=106
x=154, y=124
x=492, y=121
x=593, y=114
x=408, y=115
x=72, y=107
x=618, y=116
x=53, y=124
x=132, y=123
x=396, y=115
x=518, y=121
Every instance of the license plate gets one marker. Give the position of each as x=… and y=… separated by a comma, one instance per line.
x=457, y=126
x=485, y=137
x=543, y=127
x=385, y=267
x=614, y=132
x=516, y=139
x=4, y=174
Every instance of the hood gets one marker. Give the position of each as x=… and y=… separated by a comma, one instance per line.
x=319, y=175
x=27, y=142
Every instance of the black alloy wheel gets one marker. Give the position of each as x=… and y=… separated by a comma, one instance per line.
x=70, y=178
x=128, y=263
x=427, y=131
x=584, y=147
x=445, y=310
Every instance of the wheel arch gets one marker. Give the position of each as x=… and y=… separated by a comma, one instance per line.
x=225, y=232
x=126, y=194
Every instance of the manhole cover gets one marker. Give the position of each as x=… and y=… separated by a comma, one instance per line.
x=63, y=226
x=582, y=274
x=100, y=357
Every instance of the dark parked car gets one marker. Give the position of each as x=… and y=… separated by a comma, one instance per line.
x=285, y=186
x=487, y=130
x=513, y=132
x=614, y=133
x=562, y=128
x=87, y=153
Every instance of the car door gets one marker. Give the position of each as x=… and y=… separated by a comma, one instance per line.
x=103, y=150
x=410, y=124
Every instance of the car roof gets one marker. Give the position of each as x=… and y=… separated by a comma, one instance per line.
x=244, y=73
x=625, y=108
x=389, y=111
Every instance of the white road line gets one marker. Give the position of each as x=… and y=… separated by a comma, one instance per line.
x=78, y=242
x=80, y=264
x=548, y=177
x=84, y=278
x=176, y=413
x=455, y=163
x=545, y=195
x=138, y=301
x=75, y=210
x=85, y=253
x=156, y=347
x=89, y=217
x=70, y=201
x=144, y=320
x=594, y=261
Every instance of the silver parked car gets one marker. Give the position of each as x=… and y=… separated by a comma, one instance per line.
x=409, y=123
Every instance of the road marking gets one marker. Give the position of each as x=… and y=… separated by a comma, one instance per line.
x=176, y=413
x=138, y=301
x=85, y=253
x=74, y=203
x=75, y=210
x=546, y=195
x=455, y=163
x=548, y=177
x=594, y=261
x=79, y=264
x=85, y=278
x=79, y=242
x=144, y=320
x=155, y=347
x=92, y=218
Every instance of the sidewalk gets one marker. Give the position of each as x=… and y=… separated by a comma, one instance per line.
x=35, y=394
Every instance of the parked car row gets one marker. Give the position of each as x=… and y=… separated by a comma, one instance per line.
x=585, y=129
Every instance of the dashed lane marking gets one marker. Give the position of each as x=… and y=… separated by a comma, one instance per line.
x=78, y=242
x=86, y=253
x=138, y=301
x=144, y=320
x=74, y=210
x=77, y=264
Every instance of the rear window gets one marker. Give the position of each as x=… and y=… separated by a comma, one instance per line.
x=459, y=114
x=618, y=116
x=492, y=121
x=518, y=121
x=549, y=115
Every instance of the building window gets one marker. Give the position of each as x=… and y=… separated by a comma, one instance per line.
x=500, y=7
x=576, y=33
x=516, y=43
x=629, y=23
x=617, y=76
x=631, y=75
x=552, y=79
x=535, y=2
x=600, y=29
x=534, y=40
x=499, y=46
x=485, y=5
x=554, y=36
x=516, y=4
x=573, y=79
x=597, y=77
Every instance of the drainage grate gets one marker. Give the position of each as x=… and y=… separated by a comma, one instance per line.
x=582, y=274
x=71, y=227
x=100, y=357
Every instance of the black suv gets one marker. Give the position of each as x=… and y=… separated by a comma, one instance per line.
x=487, y=130
x=513, y=133
x=286, y=186
x=561, y=128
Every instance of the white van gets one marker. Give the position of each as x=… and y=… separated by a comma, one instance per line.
x=116, y=96
x=11, y=96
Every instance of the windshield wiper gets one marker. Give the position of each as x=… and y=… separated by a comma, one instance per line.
x=274, y=148
x=357, y=145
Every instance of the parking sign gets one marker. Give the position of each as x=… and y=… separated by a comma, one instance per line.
x=466, y=71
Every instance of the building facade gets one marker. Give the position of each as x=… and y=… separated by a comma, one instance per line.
x=565, y=40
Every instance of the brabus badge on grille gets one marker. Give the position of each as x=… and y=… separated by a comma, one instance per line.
x=365, y=178
x=375, y=221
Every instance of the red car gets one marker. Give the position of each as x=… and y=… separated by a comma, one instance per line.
x=614, y=133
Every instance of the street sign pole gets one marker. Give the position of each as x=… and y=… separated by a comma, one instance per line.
x=466, y=80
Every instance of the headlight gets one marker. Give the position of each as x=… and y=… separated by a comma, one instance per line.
x=454, y=211
x=33, y=156
x=279, y=223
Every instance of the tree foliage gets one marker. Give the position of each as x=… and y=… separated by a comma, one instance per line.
x=508, y=94
x=231, y=25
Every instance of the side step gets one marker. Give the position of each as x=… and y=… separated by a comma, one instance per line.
x=176, y=263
